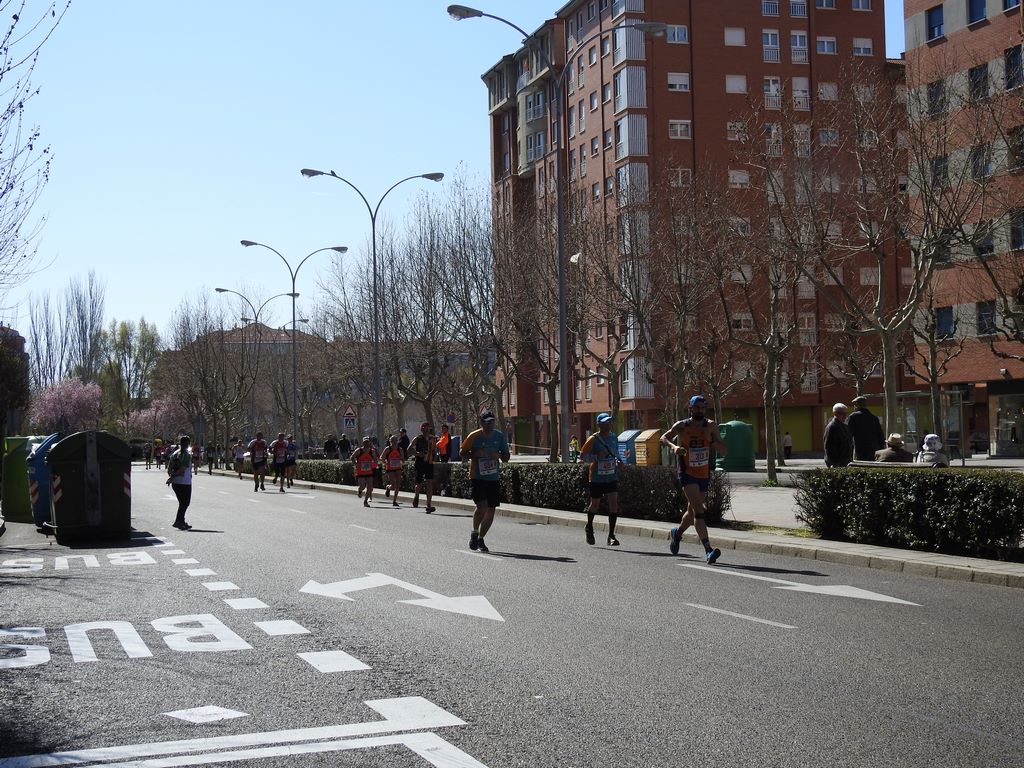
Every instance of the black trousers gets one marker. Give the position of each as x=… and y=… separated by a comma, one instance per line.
x=184, y=494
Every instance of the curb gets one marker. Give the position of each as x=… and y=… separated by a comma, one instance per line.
x=928, y=564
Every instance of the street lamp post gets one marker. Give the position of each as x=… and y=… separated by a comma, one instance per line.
x=461, y=12
x=378, y=383
x=255, y=319
x=294, y=273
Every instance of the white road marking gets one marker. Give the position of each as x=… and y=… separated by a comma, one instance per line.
x=200, y=572
x=298, y=511
x=837, y=590
x=329, y=661
x=254, y=501
x=220, y=586
x=281, y=627
x=245, y=603
x=741, y=616
x=206, y=714
x=477, y=554
x=362, y=528
x=185, y=561
x=172, y=551
x=223, y=493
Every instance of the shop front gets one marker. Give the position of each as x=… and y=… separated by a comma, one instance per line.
x=1006, y=418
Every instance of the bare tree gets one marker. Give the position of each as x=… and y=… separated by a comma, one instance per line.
x=84, y=316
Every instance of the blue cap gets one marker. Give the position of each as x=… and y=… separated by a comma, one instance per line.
x=697, y=400
x=603, y=418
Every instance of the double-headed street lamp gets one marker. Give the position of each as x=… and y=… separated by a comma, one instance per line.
x=294, y=274
x=378, y=384
x=460, y=12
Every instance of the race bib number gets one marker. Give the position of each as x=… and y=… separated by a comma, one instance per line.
x=487, y=466
x=394, y=465
x=606, y=467
x=697, y=457
x=365, y=466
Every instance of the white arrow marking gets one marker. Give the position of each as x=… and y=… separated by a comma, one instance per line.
x=470, y=605
x=838, y=590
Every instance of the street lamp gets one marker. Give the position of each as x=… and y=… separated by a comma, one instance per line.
x=294, y=274
x=255, y=319
x=461, y=12
x=378, y=383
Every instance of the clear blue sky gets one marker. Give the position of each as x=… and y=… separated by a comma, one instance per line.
x=179, y=128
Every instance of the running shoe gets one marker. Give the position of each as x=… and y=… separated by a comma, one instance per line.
x=387, y=492
x=589, y=530
x=359, y=493
x=281, y=489
x=263, y=487
x=712, y=556
x=416, y=500
x=612, y=541
x=481, y=546
x=474, y=541
x=428, y=510
x=366, y=502
x=395, y=504
x=673, y=541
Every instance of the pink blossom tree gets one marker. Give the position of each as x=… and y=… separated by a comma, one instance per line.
x=164, y=416
x=67, y=406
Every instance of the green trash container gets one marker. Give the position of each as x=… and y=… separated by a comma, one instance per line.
x=739, y=442
x=90, y=487
x=17, y=504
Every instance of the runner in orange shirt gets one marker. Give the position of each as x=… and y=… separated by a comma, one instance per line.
x=393, y=458
x=365, y=458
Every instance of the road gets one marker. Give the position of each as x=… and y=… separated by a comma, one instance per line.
x=302, y=629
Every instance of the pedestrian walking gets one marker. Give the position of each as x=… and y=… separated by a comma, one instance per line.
x=147, y=454
x=291, y=457
x=601, y=452
x=393, y=459
x=838, y=446
x=423, y=466
x=865, y=431
x=484, y=448
x=787, y=446
x=894, y=451
x=365, y=459
x=696, y=438
x=344, y=447
x=179, y=477
x=258, y=457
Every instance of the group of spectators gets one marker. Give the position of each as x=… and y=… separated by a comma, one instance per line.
x=859, y=436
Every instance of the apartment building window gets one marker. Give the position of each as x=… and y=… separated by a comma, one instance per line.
x=743, y=273
x=1015, y=148
x=583, y=160
x=609, y=185
x=983, y=239
x=680, y=177
x=606, y=45
x=864, y=94
x=741, y=227
x=798, y=9
x=807, y=322
x=679, y=81
x=770, y=45
x=903, y=184
x=608, y=138
x=739, y=179
x=828, y=91
x=862, y=46
x=862, y=5
x=582, y=116
x=981, y=161
x=825, y=4
x=978, y=82
x=867, y=138
x=735, y=83
x=936, y=95
x=975, y=11
x=677, y=33
x=571, y=121
x=769, y=7
x=945, y=322
x=595, y=191
x=735, y=36
x=802, y=140
x=579, y=71
x=606, y=93
x=589, y=389
x=869, y=275
x=985, y=315
x=1012, y=62
x=801, y=93
x=595, y=146
x=772, y=87
x=1017, y=229
x=1008, y=4
x=934, y=22
x=826, y=46
x=619, y=89
x=592, y=55
x=742, y=321
x=809, y=381
x=594, y=102
x=736, y=131
x=680, y=129
x=798, y=47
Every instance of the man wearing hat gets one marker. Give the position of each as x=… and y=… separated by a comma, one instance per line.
x=697, y=437
x=601, y=452
x=838, y=447
x=894, y=450
x=865, y=431
x=484, y=448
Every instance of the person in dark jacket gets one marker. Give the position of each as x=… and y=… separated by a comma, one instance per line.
x=894, y=450
x=865, y=431
x=838, y=447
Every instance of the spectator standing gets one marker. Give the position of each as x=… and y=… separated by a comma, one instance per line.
x=344, y=447
x=838, y=446
x=787, y=446
x=331, y=448
x=444, y=445
x=894, y=451
x=865, y=431
x=403, y=442
x=179, y=470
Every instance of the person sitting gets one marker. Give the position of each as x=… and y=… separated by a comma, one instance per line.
x=931, y=452
x=894, y=450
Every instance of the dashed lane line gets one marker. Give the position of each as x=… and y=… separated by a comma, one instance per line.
x=741, y=616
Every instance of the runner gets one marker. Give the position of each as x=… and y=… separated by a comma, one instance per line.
x=423, y=450
x=365, y=458
x=485, y=446
x=238, y=451
x=279, y=450
x=393, y=458
x=147, y=453
x=291, y=456
x=601, y=452
x=258, y=456
x=697, y=435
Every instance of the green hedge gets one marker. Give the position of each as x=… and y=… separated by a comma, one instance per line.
x=974, y=512
x=647, y=493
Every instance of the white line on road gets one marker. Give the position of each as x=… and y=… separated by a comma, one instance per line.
x=245, y=603
x=281, y=627
x=478, y=554
x=298, y=511
x=173, y=551
x=362, y=528
x=254, y=501
x=741, y=616
x=333, y=661
x=223, y=493
x=200, y=572
x=220, y=586
x=185, y=561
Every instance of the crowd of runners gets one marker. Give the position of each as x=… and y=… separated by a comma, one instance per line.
x=694, y=441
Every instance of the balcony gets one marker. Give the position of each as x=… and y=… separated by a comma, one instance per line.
x=802, y=103
x=772, y=55
x=773, y=101
x=800, y=56
x=769, y=7
x=798, y=10
x=773, y=148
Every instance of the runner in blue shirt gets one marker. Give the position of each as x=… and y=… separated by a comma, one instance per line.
x=601, y=452
x=484, y=447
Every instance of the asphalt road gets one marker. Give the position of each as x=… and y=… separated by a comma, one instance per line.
x=574, y=656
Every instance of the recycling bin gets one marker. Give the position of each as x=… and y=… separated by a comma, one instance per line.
x=15, y=499
x=646, y=448
x=90, y=486
x=39, y=479
x=627, y=449
x=738, y=437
